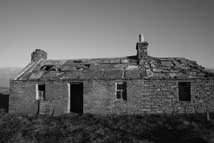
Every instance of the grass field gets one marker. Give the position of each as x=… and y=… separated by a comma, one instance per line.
x=87, y=128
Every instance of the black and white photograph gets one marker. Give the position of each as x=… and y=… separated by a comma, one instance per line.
x=106, y=71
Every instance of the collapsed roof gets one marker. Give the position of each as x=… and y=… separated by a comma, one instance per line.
x=140, y=66
x=113, y=68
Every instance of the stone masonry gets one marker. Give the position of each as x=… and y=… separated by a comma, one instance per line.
x=151, y=85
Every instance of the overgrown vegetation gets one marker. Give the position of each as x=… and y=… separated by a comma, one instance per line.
x=87, y=128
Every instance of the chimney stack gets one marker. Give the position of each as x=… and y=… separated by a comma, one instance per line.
x=141, y=47
x=37, y=55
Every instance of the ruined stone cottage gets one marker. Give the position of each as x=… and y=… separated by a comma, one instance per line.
x=127, y=85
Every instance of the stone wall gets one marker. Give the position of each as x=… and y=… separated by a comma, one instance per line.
x=23, y=96
x=161, y=96
x=150, y=96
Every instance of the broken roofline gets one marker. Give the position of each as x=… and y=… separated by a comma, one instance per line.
x=102, y=75
x=73, y=69
x=139, y=66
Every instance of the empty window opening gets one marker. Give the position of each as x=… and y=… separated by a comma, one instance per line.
x=184, y=91
x=40, y=92
x=120, y=91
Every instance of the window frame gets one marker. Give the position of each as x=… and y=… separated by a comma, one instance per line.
x=38, y=92
x=123, y=91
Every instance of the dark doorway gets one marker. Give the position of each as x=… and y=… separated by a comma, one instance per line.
x=4, y=101
x=76, y=100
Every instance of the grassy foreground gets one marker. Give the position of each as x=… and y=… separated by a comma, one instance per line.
x=16, y=128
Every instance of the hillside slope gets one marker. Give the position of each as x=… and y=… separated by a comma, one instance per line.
x=106, y=129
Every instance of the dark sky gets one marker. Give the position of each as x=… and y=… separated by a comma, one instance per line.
x=69, y=29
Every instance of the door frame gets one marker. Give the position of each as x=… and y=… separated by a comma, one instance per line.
x=69, y=98
x=69, y=94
